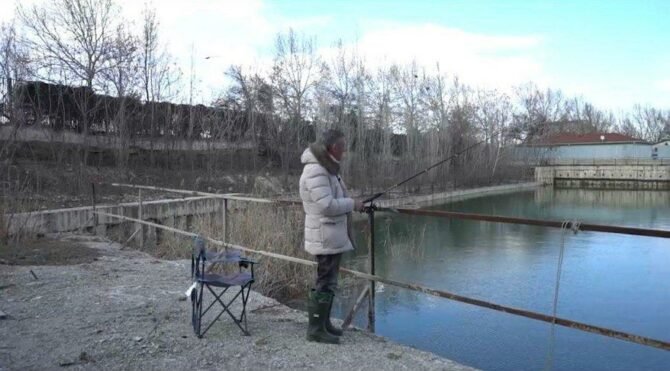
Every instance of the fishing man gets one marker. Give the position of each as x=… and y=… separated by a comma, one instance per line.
x=328, y=231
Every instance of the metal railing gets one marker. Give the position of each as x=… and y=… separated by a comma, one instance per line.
x=372, y=277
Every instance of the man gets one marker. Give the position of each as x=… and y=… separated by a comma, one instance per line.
x=327, y=227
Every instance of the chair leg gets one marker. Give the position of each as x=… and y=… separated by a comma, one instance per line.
x=244, y=307
x=241, y=322
x=196, y=310
x=217, y=297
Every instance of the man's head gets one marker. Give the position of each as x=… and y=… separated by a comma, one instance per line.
x=335, y=143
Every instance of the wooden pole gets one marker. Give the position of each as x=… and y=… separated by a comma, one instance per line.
x=230, y=196
x=132, y=236
x=354, y=309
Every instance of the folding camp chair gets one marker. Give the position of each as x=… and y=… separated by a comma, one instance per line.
x=202, y=262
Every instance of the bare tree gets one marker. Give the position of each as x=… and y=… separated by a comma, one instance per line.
x=296, y=71
x=627, y=127
x=537, y=111
x=122, y=79
x=493, y=116
x=583, y=117
x=370, y=160
x=408, y=84
x=14, y=66
x=149, y=52
x=72, y=40
x=250, y=93
x=380, y=88
x=461, y=130
x=123, y=75
x=436, y=99
x=437, y=103
x=653, y=123
x=341, y=82
x=159, y=77
x=342, y=99
x=74, y=37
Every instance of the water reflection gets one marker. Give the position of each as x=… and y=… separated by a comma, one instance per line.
x=609, y=280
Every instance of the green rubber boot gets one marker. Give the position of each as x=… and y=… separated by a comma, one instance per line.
x=317, y=309
x=329, y=325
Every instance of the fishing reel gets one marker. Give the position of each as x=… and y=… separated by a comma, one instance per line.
x=369, y=208
x=369, y=203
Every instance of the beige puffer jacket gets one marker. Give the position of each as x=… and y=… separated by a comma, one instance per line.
x=326, y=204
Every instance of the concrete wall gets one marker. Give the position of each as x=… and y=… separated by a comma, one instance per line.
x=32, y=134
x=544, y=175
x=73, y=219
x=606, y=176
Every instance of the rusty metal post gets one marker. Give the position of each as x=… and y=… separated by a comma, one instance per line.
x=371, y=270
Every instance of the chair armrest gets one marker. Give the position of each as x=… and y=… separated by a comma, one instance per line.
x=246, y=263
x=247, y=260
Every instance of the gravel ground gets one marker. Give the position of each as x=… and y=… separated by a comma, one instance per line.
x=123, y=309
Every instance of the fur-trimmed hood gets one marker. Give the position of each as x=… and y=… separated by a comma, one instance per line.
x=317, y=153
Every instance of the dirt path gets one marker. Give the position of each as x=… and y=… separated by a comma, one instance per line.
x=123, y=309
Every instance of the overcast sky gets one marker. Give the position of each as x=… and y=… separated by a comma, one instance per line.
x=614, y=53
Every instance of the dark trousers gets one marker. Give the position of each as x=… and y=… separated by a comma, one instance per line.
x=328, y=267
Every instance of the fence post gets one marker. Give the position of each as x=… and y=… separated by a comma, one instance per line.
x=95, y=215
x=139, y=216
x=371, y=270
x=224, y=213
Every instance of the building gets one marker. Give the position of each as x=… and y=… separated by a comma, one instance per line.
x=661, y=150
x=569, y=147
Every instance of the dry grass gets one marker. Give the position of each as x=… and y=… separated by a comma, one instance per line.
x=16, y=198
x=408, y=246
x=4, y=232
x=278, y=230
x=257, y=226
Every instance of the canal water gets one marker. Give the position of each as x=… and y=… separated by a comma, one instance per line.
x=615, y=281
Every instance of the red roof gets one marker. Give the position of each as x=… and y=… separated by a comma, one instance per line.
x=590, y=138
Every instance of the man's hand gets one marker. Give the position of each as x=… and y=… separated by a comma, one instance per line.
x=358, y=206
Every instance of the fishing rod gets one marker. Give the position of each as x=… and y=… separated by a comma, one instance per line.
x=377, y=195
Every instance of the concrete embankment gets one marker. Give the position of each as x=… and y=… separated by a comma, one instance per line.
x=125, y=310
